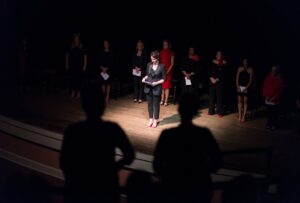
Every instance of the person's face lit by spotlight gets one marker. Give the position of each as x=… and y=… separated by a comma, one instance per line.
x=219, y=56
x=140, y=46
x=77, y=41
x=165, y=45
x=191, y=51
x=275, y=70
x=245, y=63
x=154, y=60
x=106, y=45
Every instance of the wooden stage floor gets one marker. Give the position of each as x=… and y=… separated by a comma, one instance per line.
x=55, y=111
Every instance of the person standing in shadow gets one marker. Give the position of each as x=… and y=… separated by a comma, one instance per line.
x=185, y=156
x=88, y=153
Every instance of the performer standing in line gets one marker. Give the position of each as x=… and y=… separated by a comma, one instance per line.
x=139, y=63
x=155, y=76
x=76, y=64
x=189, y=69
x=217, y=83
x=106, y=65
x=244, y=77
x=167, y=58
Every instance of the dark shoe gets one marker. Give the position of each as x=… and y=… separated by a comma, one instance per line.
x=268, y=127
x=220, y=115
x=273, y=128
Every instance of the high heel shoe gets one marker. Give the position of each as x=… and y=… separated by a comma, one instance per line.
x=150, y=124
x=154, y=125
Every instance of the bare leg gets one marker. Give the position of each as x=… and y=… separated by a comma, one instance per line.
x=167, y=96
x=73, y=93
x=103, y=89
x=150, y=122
x=78, y=94
x=162, y=97
x=107, y=93
x=245, y=108
x=154, y=125
x=240, y=105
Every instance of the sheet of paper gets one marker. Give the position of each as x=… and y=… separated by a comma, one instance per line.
x=268, y=102
x=105, y=76
x=242, y=88
x=188, y=81
x=136, y=73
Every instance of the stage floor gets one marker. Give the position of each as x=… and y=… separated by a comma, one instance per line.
x=55, y=111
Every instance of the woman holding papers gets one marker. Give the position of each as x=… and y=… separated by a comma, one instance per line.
x=243, y=81
x=190, y=69
x=155, y=76
x=139, y=63
x=106, y=65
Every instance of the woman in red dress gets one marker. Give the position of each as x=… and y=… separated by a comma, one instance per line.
x=167, y=58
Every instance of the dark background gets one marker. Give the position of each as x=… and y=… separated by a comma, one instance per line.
x=265, y=31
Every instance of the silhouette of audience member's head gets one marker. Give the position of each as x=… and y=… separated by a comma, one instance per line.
x=92, y=101
x=241, y=189
x=188, y=107
x=139, y=188
x=19, y=188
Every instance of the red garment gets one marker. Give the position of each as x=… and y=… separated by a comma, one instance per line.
x=165, y=58
x=272, y=86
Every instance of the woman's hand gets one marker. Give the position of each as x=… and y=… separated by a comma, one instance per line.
x=238, y=89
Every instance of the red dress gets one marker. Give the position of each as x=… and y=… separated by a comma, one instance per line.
x=165, y=58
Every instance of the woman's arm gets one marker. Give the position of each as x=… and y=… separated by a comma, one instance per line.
x=84, y=62
x=172, y=64
x=67, y=61
x=237, y=77
x=251, y=78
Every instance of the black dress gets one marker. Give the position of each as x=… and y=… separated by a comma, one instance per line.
x=190, y=66
x=76, y=63
x=244, y=78
x=141, y=62
x=106, y=60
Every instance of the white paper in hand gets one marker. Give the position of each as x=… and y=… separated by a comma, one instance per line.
x=188, y=81
x=136, y=73
x=105, y=76
x=242, y=88
x=269, y=102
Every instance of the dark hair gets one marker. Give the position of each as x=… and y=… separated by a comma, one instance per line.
x=155, y=54
x=188, y=105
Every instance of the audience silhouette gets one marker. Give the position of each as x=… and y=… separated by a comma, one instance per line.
x=243, y=188
x=20, y=188
x=141, y=188
x=185, y=156
x=88, y=153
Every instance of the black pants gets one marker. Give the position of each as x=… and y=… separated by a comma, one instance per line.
x=216, y=94
x=138, y=88
x=272, y=115
x=153, y=105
